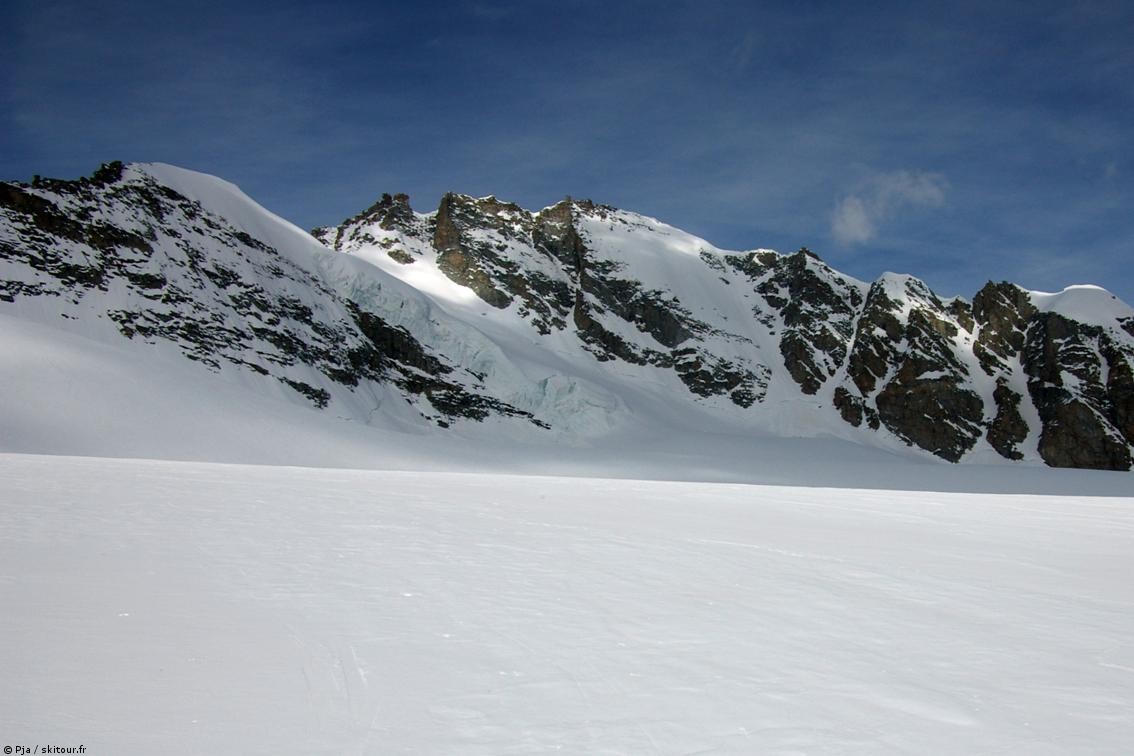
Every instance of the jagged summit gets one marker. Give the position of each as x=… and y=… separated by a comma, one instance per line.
x=578, y=319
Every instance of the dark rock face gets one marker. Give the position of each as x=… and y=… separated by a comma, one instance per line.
x=1120, y=386
x=464, y=260
x=910, y=369
x=854, y=409
x=1003, y=312
x=914, y=373
x=601, y=287
x=1078, y=426
x=818, y=312
x=928, y=401
x=708, y=376
x=816, y=305
x=1008, y=429
x=875, y=343
x=936, y=416
x=1074, y=436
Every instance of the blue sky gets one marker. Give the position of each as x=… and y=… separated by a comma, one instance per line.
x=959, y=142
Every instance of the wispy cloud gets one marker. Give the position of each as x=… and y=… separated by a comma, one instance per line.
x=741, y=55
x=858, y=215
x=493, y=11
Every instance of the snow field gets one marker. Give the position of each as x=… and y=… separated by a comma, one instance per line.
x=171, y=607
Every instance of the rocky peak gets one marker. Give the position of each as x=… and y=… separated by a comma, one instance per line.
x=1002, y=312
x=907, y=371
x=379, y=224
x=554, y=233
x=389, y=212
x=877, y=339
x=472, y=238
x=817, y=307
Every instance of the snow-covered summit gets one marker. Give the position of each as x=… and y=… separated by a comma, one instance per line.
x=1085, y=303
x=224, y=200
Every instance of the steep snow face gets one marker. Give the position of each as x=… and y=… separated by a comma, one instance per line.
x=1085, y=303
x=576, y=322
x=225, y=200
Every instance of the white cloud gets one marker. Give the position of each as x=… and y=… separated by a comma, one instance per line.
x=856, y=217
x=493, y=11
x=851, y=222
x=741, y=55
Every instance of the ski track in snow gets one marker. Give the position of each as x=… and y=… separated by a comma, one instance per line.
x=172, y=607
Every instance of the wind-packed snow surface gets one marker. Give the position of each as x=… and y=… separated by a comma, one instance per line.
x=173, y=607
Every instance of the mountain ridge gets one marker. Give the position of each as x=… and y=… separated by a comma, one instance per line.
x=575, y=319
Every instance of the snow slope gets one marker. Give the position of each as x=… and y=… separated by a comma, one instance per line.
x=160, y=607
x=1085, y=303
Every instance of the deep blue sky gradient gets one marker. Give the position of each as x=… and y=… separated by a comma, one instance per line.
x=957, y=141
